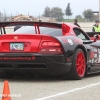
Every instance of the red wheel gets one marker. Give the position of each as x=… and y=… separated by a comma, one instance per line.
x=80, y=64
x=78, y=68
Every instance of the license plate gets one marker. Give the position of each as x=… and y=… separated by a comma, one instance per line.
x=16, y=46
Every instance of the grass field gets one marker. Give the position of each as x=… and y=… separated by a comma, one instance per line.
x=72, y=20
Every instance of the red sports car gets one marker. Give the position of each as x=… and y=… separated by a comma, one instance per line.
x=48, y=48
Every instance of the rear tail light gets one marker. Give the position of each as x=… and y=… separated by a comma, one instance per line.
x=51, y=48
x=50, y=44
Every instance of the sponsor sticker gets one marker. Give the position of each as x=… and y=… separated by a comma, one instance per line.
x=64, y=40
x=90, y=61
x=95, y=50
x=95, y=55
x=98, y=50
x=17, y=58
x=70, y=41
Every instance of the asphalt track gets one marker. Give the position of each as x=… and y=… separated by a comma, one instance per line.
x=52, y=88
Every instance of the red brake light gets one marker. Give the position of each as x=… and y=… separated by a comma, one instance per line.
x=50, y=44
x=51, y=48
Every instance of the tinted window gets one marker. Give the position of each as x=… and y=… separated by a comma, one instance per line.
x=80, y=34
x=43, y=30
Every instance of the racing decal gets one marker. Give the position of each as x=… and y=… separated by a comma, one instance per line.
x=70, y=41
x=95, y=60
x=90, y=61
x=94, y=55
x=91, y=54
x=16, y=58
x=68, y=59
x=77, y=41
x=98, y=55
x=64, y=40
x=95, y=49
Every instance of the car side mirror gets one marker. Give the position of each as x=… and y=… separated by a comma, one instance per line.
x=96, y=37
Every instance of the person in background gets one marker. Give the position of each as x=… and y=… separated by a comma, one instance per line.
x=96, y=27
x=75, y=23
x=17, y=27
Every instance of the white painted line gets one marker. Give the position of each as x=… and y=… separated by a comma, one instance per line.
x=67, y=92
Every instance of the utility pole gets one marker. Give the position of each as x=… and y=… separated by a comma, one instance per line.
x=4, y=15
x=28, y=13
x=17, y=13
x=4, y=12
x=99, y=10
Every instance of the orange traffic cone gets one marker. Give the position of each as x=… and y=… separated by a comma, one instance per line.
x=6, y=91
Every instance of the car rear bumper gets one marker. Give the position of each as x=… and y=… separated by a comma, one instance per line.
x=39, y=63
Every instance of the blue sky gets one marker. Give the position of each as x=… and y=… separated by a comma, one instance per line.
x=34, y=7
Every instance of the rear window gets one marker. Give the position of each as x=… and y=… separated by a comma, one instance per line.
x=43, y=30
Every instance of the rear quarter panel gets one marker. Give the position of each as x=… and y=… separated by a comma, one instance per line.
x=69, y=44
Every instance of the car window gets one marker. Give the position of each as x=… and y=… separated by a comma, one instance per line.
x=43, y=30
x=80, y=34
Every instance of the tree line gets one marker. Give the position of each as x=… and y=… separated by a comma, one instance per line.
x=58, y=14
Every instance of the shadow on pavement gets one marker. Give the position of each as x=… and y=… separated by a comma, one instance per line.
x=32, y=78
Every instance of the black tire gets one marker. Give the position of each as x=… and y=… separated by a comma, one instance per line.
x=77, y=72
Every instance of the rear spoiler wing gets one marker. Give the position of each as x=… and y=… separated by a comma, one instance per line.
x=65, y=27
x=31, y=23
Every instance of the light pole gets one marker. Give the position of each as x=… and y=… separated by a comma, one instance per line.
x=99, y=10
x=4, y=14
x=11, y=15
x=39, y=16
x=17, y=13
x=28, y=13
